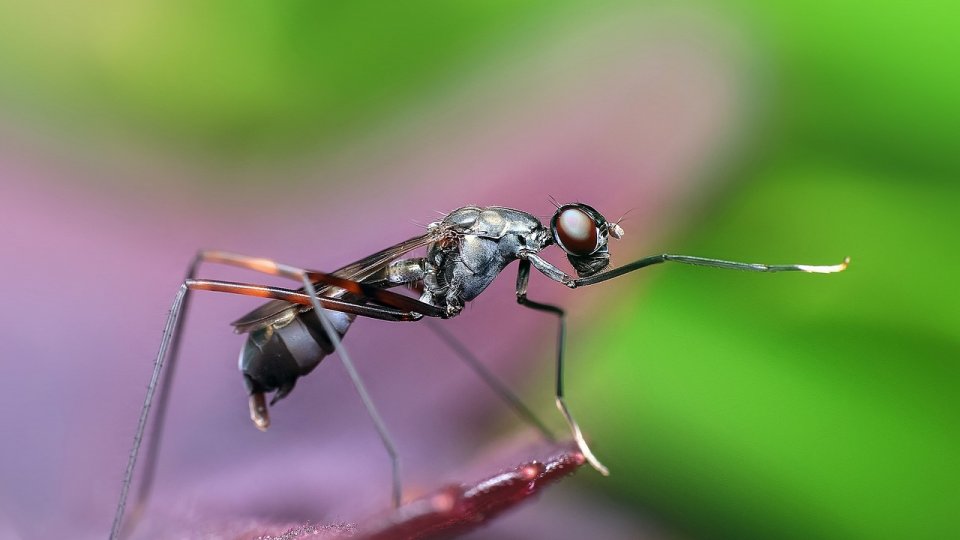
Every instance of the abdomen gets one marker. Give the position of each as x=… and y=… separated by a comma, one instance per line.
x=275, y=356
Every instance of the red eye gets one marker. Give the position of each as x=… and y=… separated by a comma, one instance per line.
x=576, y=231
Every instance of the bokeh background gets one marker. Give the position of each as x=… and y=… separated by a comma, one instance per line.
x=726, y=405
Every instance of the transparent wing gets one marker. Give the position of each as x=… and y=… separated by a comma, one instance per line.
x=356, y=271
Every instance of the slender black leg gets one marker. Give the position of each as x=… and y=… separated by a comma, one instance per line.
x=151, y=452
x=169, y=353
x=554, y=273
x=495, y=384
x=715, y=263
x=307, y=278
x=169, y=329
x=523, y=278
x=361, y=389
x=172, y=332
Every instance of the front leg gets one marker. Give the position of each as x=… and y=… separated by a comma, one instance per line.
x=560, y=276
x=545, y=268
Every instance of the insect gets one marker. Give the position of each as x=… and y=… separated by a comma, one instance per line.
x=288, y=336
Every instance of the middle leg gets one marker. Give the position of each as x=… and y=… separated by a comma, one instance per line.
x=523, y=278
x=495, y=384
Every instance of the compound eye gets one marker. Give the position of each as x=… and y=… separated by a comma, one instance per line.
x=577, y=231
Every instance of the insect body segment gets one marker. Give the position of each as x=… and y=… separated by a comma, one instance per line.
x=475, y=245
x=276, y=355
x=465, y=251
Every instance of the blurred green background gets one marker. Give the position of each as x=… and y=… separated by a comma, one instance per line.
x=734, y=405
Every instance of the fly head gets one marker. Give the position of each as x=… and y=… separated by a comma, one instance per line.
x=582, y=233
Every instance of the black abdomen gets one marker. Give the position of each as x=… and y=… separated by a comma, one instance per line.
x=276, y=355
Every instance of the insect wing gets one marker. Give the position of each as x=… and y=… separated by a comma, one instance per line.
x=371, y=264
x=357, y=271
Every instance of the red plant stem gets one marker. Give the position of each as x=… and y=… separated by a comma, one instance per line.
x=455, y=510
